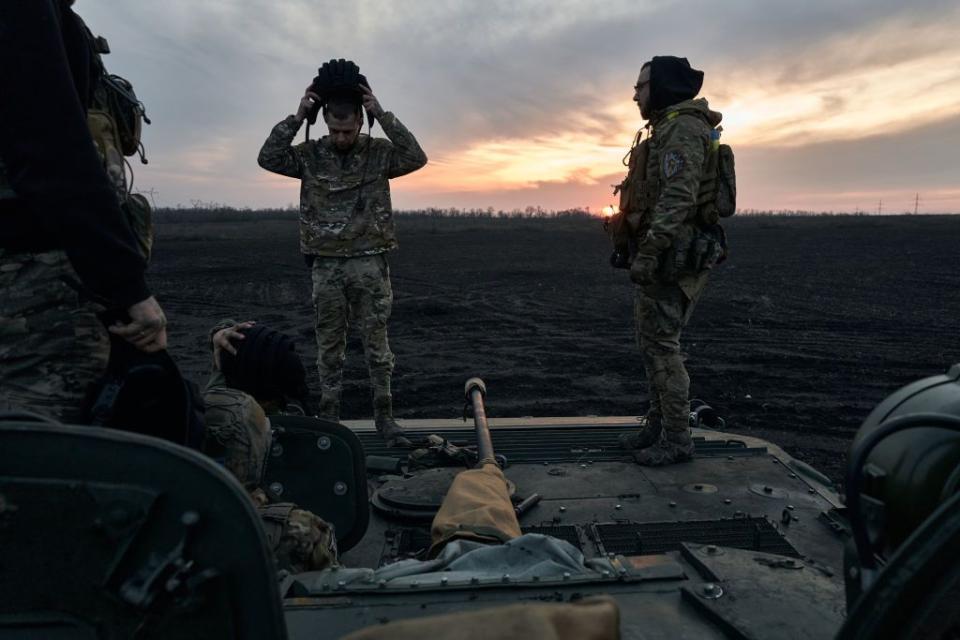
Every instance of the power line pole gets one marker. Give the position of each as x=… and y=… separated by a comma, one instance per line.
x=151, y=192
x=880, y=207
x=916, y=204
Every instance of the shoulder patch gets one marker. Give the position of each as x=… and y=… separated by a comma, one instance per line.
x=673, y=163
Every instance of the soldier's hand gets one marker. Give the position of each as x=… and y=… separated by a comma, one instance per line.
x=147, y=329
x=644, y=269
x=306, y=104
x=223, y=340
x=370, y=102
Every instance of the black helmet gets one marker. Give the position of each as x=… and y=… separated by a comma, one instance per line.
x=266, y=366
x=337, y=79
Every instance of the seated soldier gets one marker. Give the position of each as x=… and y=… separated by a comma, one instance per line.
x=261, y=373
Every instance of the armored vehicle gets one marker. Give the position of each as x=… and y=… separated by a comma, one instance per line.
x=110, y=534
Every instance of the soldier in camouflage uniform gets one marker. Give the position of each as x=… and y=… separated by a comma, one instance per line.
x=238, y=436
x=673, y=250
x=346, y=230
x=67, y=252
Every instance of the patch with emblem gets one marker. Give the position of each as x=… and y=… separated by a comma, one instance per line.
x=673, y=163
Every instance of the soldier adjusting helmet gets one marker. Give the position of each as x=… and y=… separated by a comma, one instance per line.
x=338, y=84
x=266, y=366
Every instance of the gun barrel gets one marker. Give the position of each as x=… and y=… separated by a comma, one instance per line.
x=475, y=390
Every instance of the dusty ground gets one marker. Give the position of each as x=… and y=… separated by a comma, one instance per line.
x=810, y=323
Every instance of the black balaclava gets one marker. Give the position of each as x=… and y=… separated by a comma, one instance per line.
x=672, y=80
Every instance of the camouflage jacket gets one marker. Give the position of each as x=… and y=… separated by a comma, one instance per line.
x=660, y=192
x=345, y=208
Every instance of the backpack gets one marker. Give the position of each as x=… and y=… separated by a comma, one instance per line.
x=115, y=117
x=717, y=197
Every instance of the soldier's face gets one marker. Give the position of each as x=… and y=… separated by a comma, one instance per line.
x=641, y=92
x=344, y=132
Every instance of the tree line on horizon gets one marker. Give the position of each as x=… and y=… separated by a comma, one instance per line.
x=199, y=211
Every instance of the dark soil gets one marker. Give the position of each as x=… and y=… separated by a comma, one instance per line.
x=810, y=323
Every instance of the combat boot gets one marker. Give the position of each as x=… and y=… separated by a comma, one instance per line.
x=673, y=446
x=387, y=427
x=648, y=435
x=329, y=407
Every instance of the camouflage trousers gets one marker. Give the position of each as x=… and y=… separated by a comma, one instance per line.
x=352, y=291
x=53, y=348
x=660, y=313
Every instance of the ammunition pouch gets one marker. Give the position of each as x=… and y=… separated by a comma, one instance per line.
x=115, y=95
x=622, y=229
x=694, y=251
x=717, y=196
x=103, y=129
x=638, y=196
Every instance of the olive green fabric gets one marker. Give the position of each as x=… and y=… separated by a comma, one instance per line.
x=477, y=507
x=594, y=618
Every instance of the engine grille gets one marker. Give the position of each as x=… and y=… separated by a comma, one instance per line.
x=751, y=534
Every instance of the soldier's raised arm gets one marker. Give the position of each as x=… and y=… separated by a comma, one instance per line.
x=406, y=156
x=278, y=154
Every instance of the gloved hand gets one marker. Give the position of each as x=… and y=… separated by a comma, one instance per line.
x=644, y=268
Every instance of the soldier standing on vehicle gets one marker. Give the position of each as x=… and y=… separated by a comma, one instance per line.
x=679, y=184
x=346, y=225
x=67, y=251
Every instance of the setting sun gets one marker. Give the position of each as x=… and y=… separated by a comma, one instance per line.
x=610, y=210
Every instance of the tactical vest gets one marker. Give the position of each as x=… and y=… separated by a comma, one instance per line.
x=716, y=198
x=703, y=244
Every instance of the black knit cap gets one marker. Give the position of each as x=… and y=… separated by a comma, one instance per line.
x=672, y=80
x=266, y=365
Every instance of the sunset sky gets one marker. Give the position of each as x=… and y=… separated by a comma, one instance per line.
x=829, y=105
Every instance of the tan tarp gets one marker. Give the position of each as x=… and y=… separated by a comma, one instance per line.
x=596, y=618
x=477, y=507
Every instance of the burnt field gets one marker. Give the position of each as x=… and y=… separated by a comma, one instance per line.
x=810, y=323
